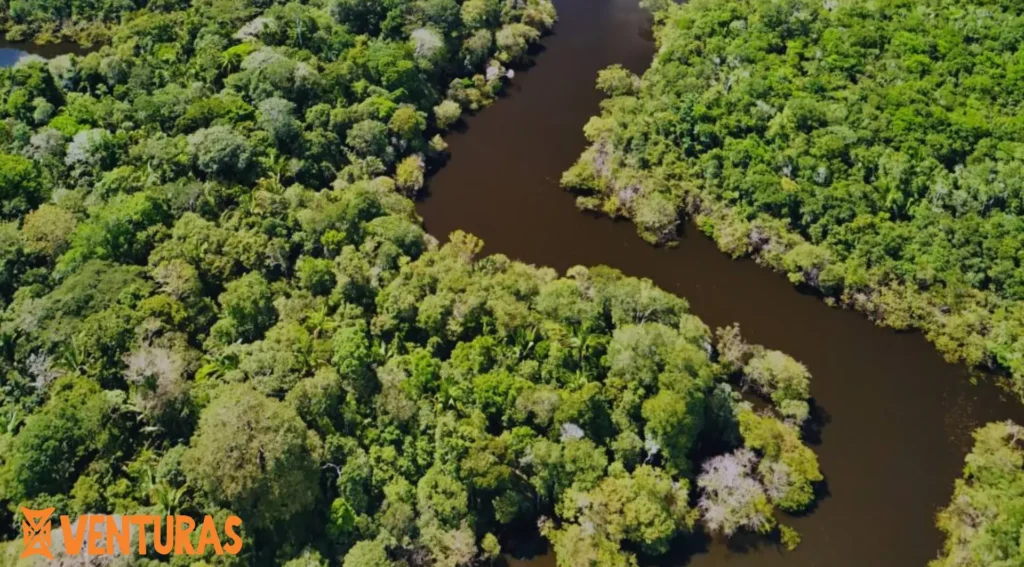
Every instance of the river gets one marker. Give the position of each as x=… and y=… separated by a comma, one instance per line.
x=12, y=52
x=896, y=419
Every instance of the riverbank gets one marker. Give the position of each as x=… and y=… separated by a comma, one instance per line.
x=54, y=33
x=913, y=223
x=895, y=419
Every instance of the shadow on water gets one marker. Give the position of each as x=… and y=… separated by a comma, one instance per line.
x=898, y=420
x=533, y=51
x=682, y=550
x=746, y=542
x=814, y=427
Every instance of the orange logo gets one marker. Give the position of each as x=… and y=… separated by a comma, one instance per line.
x=36, y=527
x=106, y=535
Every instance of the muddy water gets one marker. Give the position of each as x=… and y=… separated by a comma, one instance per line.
x=897, y=418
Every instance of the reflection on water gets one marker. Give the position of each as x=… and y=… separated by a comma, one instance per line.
x=544, y=561
x=12, y=52
x=9, y=56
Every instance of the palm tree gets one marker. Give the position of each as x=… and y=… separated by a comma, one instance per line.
x=524, y=340
x=277, y=164
x=581, y=341
x=12, y=421
x=167, y=498
x=388, y=350
x=320, y=322
x=230, y=61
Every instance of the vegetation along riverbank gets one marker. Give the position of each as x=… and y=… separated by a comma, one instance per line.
x=217, y=299
x=983, y=521
x=869, y=150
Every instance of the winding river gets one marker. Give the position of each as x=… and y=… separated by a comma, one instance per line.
x=895, y=418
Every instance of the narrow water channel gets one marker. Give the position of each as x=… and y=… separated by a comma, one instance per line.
x=12, y=52
x=897, y=418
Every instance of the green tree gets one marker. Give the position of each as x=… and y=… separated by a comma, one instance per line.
x=21, y=186
x=364, y=16
x=409, y=175
x=408, y=123
x=513, y=41
x=220, y=151
x=315, y=274
x=480, y=13
x=55, y=444
x=123, y=230
x=367, y=554
x=277, y=117
x=253, y=455
x=447, y=113
x=369, y=138
x=674, y=419
x=617, y=81
x=247, y=309
x=779, y=376
x=47, y=230
x=983, y=521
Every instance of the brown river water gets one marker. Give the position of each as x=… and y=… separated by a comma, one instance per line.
x=896, y=419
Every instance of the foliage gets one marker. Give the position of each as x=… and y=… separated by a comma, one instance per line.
x=447, y=113
x=432, y=404
x=984, y=519
x=237, y=311
x=869, y=150
x=20, y=186
x=253, y=455
x=198, y=218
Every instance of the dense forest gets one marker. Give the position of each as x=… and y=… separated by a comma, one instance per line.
x=78, y=21
x=870, y=150
x=217, y=299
